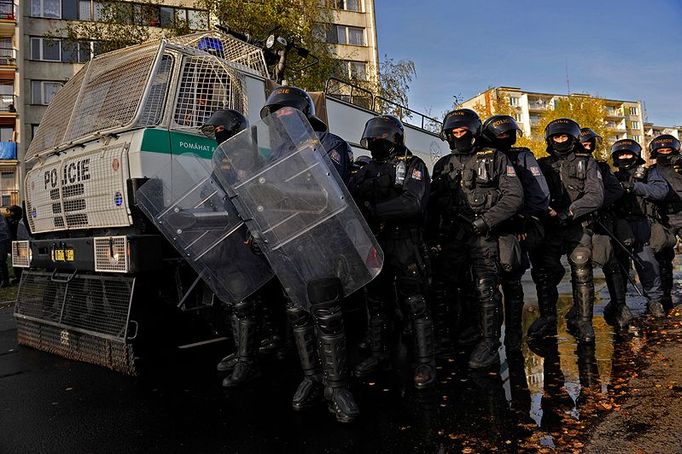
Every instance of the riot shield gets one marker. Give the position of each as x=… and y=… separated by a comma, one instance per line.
x=192, y=211
x=286, y=189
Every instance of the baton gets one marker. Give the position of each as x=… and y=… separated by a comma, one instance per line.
x=629, y=253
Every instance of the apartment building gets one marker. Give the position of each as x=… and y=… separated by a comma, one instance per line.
x=625, y=119
x=352, y=33
x=651, y=131
x=9, y=81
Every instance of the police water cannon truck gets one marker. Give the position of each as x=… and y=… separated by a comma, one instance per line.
x=99, y=275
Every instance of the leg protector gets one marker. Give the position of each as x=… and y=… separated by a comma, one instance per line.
x=583, y=291
x=485, y=354
x=227, y=363
x=513, y=313
x=310, y=390
x=325, y=295
x=546, y=287
x=425, y=373
x=616, y=312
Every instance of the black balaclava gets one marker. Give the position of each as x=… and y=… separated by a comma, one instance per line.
x=464, y=144
x=381, y=149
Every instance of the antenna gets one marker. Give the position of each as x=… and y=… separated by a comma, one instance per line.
x=568, y=83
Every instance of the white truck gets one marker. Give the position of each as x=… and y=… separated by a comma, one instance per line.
x=97, y=274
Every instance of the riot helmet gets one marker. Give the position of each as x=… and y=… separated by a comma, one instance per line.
x=383, y=136
x=626, y=146
x=590, y=139
x=223, y=124
x=662, y=142
x=461, y=118
x=561, y=127
x=289, y=96
x=501, y=131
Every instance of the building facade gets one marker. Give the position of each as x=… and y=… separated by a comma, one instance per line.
x=624, y=119
x=353, y=35
x=35, y=63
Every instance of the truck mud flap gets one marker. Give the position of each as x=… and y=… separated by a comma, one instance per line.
x=80, y=317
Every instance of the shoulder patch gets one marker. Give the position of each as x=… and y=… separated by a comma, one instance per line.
x=417, y=174
x=335, y=156
x=511, y=172
x=535, y=171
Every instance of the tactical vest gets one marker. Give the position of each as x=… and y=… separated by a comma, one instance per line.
x=566, y=180
x=672, y=203
x=473, y=187
x=632, y=205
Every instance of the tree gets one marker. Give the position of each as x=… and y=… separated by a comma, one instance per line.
x=120, y=24
x=395, y=78
x=301, y=21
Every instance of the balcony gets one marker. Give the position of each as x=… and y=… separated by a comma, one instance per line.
x=539, y=105
x=8, y=151
x=614, y=113
x=8, y=56
x=8, y=105
x=8, y=18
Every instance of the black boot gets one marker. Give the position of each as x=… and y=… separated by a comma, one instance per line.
x=227, y=363
x=583, y=296
x=324, y=295
x=425, y=372
x=655, y=309
x=545, y=326
x=485, y=354
x=513, y=314
x=311, y=389
x=245, y=370
x=665, y=263
x=616, y=312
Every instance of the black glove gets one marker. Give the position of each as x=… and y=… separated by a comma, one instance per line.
x=628, y=186
x=564, y=218
x=253, y=245
x=479, y=226
x=368, y=209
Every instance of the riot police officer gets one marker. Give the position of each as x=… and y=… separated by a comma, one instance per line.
x=242, y=364
x=576, y=192
x=616, y=312
x=643, y=187
x=474, y=190
x=500, y=131
x=321, y=347
x=666, y=150
x=392, y=191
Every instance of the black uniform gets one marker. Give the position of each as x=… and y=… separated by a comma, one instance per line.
x=468, y=188
x=393, y=195
x=671, y=212
x=577, y=191
x=526, y=223
x=638, y=208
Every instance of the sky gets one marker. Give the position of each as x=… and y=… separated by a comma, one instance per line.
x=624, y=49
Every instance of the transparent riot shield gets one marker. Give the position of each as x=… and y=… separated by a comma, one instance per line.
x=192, y=211
x=287, y=190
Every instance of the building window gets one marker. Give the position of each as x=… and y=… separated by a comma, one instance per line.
x=46, y=49
x=77, y=51
x=6, y=134
x=635, y=125
x=633, y=111
x=636, y=137
x=513, y=101
x=342, y=34
x=518, y=117
x=354, y=70
x=348, y=5
x=50, y=9
x=43, y=91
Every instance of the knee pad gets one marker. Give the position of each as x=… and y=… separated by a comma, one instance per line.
x=324, y=290
x=417, y=307
x=298, y=316
x=328, y=317
x=245, y=309
x=486, y=288
x=581, y=264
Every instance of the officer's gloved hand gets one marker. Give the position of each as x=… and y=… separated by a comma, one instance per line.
x=253, y=245
x=564, y=217
x=368, y=209
x=628, y=186
x=479, y=226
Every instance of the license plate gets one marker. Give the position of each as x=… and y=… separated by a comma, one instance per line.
x=63, y=255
